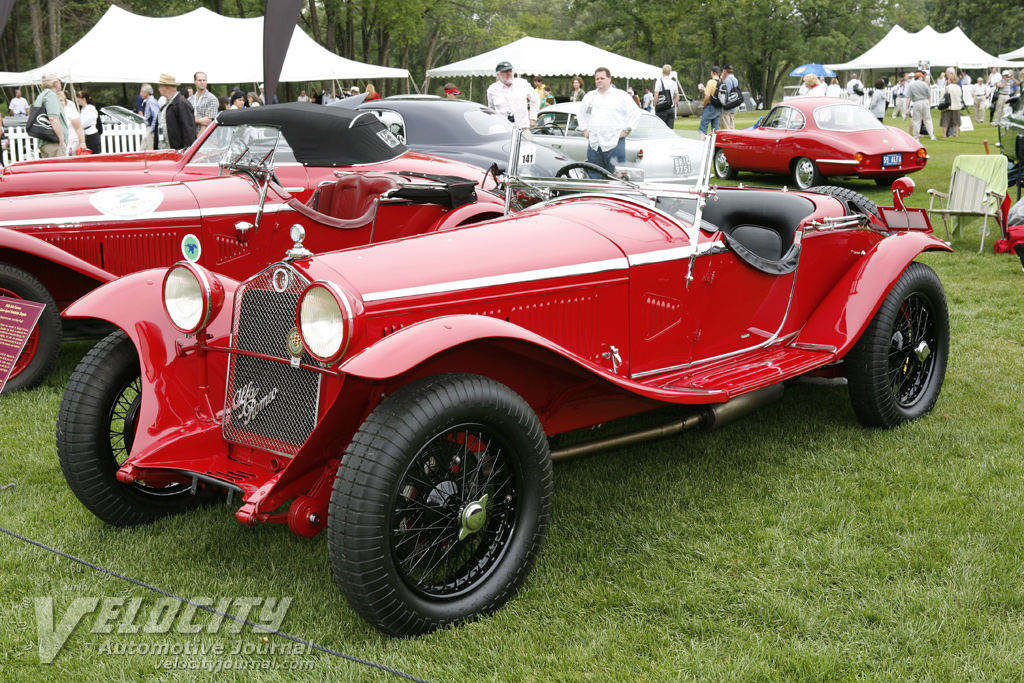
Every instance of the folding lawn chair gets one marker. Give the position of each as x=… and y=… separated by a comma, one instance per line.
x=977, y=188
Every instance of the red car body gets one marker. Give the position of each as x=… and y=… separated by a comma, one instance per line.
x=56, y=247
x=811, y=138
x=401, y=394
x=203, y=159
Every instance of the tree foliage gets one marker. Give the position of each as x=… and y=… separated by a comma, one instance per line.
x=763, y=39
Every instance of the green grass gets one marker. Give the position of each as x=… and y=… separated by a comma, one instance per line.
x=794, y=545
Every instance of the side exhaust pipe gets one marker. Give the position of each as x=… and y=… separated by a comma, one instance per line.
x=706, y=417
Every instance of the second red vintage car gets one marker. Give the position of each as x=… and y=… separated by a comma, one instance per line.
x=814, y=138
x=56, y=247
x=401, y=395
x=314, y=142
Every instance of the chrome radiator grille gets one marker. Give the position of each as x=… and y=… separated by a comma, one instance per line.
x=270, y=406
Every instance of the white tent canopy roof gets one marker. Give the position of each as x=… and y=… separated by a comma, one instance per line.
x=543, y=57
x=1016, y=54
x=902, y=49
x=228, y=50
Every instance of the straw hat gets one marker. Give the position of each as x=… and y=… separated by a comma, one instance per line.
x=167, y=79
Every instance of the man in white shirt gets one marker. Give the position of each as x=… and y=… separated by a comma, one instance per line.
x=19, y=105
x=853, y=86
x=514, y=97
x=607, y=115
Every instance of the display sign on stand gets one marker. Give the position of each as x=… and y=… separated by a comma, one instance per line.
x=18, y=319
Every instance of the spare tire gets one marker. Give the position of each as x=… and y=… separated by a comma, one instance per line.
x=854, y=201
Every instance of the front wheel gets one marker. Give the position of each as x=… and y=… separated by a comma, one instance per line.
x=440, y=505
x=806, y=174
x=36, y=360
x=896, y=368
x=96, y=426
x=722, y=168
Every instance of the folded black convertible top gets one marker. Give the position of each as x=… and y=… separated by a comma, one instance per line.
x=323, y=136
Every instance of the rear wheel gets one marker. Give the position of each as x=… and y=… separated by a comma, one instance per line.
x=96, y=428
x=722, y=168
x=40, y=353
x=806, y=174
x=440, y=505
x=896, y=369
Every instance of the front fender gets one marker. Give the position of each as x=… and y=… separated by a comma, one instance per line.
x=847, y=310
x=17, y=242
x=413, y=346
x=174, y=404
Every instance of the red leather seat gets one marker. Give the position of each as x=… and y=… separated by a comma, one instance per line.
x=351, y=196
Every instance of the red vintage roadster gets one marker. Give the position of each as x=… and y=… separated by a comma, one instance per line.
x=56, y=247
x=401, y=395
x=814, y=138
x=315, y=141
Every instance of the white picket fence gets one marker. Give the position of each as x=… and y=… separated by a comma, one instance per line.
x=116, y=138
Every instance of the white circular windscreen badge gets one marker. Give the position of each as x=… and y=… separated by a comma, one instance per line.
x=127, y=202
x=191, y=248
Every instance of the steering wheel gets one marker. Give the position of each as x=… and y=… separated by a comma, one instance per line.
x=578, y=169
x=542, y=129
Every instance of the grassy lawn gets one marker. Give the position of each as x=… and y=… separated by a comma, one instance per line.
x=794, y=545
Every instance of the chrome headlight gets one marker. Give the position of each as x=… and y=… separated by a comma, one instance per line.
x=325, y=321
x=192, y=296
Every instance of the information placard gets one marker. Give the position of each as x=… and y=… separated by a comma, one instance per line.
x=17, y=320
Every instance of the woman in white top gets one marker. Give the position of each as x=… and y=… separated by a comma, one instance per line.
x=90, y=117
x=76, y=135
x=950, y=119
x=834, y=89
x=815, y=88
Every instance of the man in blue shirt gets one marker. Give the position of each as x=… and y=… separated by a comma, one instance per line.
x=151, y=112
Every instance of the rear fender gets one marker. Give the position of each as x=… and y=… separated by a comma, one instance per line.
x=66, y=277
x=845, y=312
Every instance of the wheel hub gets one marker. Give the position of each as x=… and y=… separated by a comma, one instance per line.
x=473, y=517
x=922, y=351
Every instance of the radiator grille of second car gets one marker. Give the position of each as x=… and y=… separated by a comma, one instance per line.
x=270, y=406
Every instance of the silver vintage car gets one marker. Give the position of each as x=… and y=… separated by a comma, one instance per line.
x=654, y=152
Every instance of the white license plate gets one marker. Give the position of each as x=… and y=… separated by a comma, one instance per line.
x=892, y=159
x=681, y=165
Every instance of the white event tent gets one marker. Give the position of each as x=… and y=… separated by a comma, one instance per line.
x=127, y=48
x=902, y=49
x=544, y=57
x=1016, y=54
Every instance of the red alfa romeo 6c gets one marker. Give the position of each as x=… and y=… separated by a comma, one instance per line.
x=401, y=395
x=56, y=247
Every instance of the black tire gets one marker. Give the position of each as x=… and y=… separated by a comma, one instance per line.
x=404, y=499
x=806, y=174
x=889, y=381
x=722, y=167
x=854, y=201
x=95, y=428
x=40, y=353
x=578, y=169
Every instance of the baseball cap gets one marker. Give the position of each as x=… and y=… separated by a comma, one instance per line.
x=727, y=67
x=716, y=70
x=450, y=88
x=1007, y=73
x=503, y=66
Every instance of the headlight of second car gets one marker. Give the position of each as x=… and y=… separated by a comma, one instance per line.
x=192, y=296
x=325, y=321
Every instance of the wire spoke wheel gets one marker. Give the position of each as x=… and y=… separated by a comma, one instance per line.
x=98, y=421
x=440, y=505
x=37, y=358
x=896, y=368
x=444, y=539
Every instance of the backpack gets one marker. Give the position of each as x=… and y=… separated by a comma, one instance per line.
x=664, y=98
x=727, y=99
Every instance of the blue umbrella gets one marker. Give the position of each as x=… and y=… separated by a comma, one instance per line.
x=817, y=69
